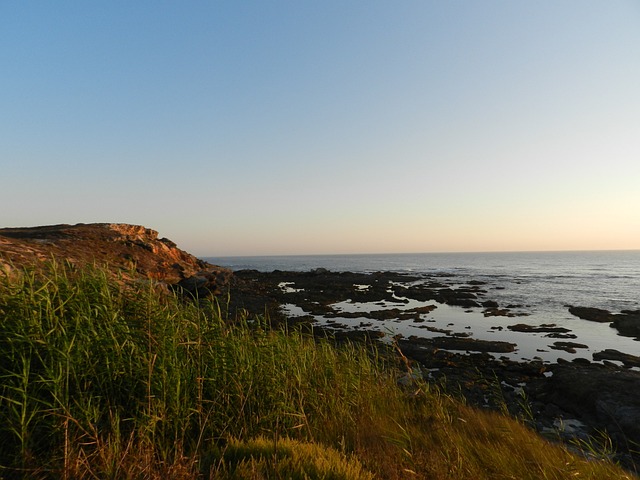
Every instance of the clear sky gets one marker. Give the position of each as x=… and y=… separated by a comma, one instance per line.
x=295, y=127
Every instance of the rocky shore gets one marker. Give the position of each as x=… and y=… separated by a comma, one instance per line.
x=568, y=400
x=573, y=401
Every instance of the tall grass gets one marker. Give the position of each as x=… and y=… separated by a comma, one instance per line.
x=99, y=379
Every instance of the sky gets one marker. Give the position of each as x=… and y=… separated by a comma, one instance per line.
x=303, y=127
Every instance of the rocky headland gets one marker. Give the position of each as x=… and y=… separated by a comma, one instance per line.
x=129, y=251
x=571, y=401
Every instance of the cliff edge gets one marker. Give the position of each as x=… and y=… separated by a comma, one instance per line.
x=130, y=250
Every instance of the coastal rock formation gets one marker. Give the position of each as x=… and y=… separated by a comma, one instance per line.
x=615, y=355
x=601, y=396
x=592, y=314
x=626, y=322
x=132, y=251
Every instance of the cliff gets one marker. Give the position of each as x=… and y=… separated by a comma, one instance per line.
x=129, y=250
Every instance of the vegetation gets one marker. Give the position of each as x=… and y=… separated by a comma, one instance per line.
x=103, y=380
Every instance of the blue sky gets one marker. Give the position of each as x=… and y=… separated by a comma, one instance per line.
x=291, y=127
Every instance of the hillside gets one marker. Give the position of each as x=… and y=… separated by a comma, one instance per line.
x=129, y=250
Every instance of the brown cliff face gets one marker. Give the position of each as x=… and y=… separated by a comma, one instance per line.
x=131, y=250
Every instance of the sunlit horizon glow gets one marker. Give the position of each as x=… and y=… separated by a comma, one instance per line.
x=275, y=128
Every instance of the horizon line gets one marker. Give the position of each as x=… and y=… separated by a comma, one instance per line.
x=443, y=252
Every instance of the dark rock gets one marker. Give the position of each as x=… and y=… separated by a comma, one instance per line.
x=560, y=335
x=569, y=347
x=463, y=302
x=601, y=396
x=490, y=304
x=611, y=354
x=204, y=283
x=592, y=314
x=424, y=309
x=470, y=344
x=627, y=323
x=521, y=327
x=581, y=361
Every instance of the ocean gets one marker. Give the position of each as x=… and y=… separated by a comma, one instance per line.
x=543, y=284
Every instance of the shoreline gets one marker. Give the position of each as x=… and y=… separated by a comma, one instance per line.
x=571, y=400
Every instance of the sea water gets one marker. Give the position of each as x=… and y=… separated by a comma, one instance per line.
x=542, y=284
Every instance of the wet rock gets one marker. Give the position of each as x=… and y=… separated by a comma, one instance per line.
x=627, y=323
x=545, y=327
x=611, y=354
x=592, y=314
x=467, y=344
x=561, y=335
x=424, y=309
x=569, y=347
x=601, y=396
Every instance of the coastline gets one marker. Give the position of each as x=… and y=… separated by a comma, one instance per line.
x=567, y=400
x=575, y=398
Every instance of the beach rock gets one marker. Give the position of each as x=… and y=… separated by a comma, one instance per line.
x=592, y=314
x=601, y=396
x=627, y=323
x=465, y=344
x=611, y=354
x=490, y=304
x=459, y=298
x=544, y=328
x=569, y=347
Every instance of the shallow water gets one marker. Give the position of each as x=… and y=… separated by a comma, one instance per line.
x=542, y=284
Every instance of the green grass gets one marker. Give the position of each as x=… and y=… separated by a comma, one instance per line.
x=99, y=379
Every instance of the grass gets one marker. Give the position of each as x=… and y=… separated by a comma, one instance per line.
x=104, y=380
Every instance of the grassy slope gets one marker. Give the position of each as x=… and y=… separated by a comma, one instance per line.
x=98, y=380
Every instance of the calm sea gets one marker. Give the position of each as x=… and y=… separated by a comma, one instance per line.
x=543, y=283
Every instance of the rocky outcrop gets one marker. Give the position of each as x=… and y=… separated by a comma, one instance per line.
x=611, y=354
x=626, y=322
x=601, y=396
x=592, y=314
x=131, y=251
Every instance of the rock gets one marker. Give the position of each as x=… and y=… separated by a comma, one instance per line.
x=592, y=314
x=521, y=327
x=470, y=344
x=560, y=335
x=627, y=323
x=204, y=283
x=129, y=251
x=459, y=298
x=611, y=354
x=601, y=396
x=569, y=347
x=497, y=312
